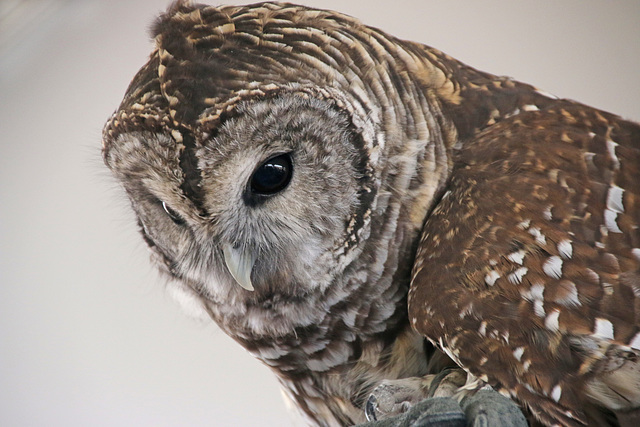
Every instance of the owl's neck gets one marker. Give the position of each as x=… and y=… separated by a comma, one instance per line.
x=329, y=366
x=478, y=99
x=320, y=331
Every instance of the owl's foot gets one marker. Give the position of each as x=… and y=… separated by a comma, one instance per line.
x=483, y=408
x=394, y=397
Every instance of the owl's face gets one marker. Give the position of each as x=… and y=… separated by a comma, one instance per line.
x=278, y=184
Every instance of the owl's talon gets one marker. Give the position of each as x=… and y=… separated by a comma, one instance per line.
x=447, y=383
x=395, y=397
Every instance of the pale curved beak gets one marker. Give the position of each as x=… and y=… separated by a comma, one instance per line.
x=239, y=263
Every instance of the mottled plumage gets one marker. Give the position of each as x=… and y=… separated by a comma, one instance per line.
x=327, y=167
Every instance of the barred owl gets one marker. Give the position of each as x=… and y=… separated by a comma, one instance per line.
x=379, y=223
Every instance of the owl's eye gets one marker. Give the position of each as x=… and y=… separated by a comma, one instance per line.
x=175, y=216
x=273, y=175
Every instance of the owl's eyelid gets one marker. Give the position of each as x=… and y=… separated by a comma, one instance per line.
x=175, y=216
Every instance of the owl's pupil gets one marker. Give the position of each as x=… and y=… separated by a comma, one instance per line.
x=273, y=175
x=175, y=216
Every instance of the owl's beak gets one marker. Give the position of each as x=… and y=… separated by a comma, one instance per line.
x=240, y=263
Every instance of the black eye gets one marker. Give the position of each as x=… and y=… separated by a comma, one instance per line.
x=172, y=214
x=272, y=176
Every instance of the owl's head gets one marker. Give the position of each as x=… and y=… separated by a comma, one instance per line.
x=265, y=148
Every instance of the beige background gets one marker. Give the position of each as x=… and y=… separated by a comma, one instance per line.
x=87, y=335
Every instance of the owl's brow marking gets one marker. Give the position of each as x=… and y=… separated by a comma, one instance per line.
x=191, y=184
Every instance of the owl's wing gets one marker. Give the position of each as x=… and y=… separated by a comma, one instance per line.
x=528, y=270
